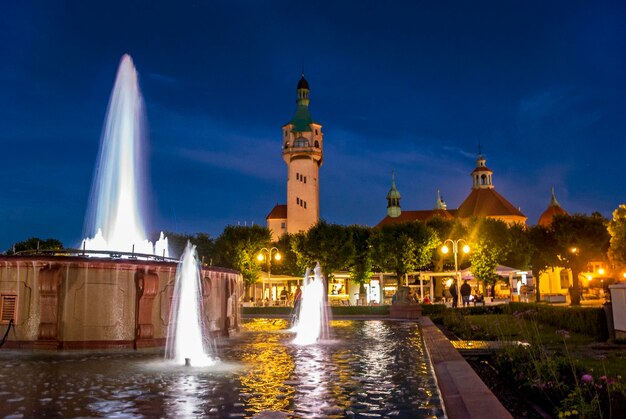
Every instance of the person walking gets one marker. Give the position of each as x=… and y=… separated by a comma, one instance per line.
x=455, y=295
x=466, y=290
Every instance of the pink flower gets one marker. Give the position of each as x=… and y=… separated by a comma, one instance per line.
x=586, y=378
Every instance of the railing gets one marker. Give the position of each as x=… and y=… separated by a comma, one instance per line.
x=113, y=254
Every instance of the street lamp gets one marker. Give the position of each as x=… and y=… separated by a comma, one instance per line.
x=266, y=254
x=455, y=249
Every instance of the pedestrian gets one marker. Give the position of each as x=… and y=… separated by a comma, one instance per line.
x=455, y=295
x=466, y=291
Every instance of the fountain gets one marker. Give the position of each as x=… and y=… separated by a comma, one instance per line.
x=186, y=341
x=114, y=217
x=116, y=290
x=312, y=323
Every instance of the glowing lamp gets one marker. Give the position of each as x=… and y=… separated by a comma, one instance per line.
x=278, y=256
x=589, y=277
x=445, y=250
x=260, y=257
x=466, y=249
x=601, y=271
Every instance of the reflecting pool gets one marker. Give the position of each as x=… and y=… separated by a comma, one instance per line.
x=369, y=369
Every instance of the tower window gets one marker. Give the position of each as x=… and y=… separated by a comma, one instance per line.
x=304, y=204
x=316, y=133
x=317, y=144
x=298, y=201
x=283, y=225
x=301, y=143
x=297, y=176
x=305, y=179
x=286, y=144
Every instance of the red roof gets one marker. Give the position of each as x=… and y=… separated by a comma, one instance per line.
x=548, y=215
x=279, y=212
x=486, y=202
x=482, y=169
x=420, y=215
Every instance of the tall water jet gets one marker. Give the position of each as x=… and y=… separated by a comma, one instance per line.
x=186, y=337
x=312, y=323
x=114, y=219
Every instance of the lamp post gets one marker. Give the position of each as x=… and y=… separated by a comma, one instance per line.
x=455, y=249
x=266, y=254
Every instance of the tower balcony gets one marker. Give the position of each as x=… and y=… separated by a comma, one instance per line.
x=294, y=153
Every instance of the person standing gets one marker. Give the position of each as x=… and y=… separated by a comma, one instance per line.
x=466, y=290
x=455, y=295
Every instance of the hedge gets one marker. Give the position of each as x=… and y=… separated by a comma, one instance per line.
x=336, y=310
x=589, y=321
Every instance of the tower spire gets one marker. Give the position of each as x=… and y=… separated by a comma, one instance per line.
x=393, y=199
x=440, y=204
x=553, y=201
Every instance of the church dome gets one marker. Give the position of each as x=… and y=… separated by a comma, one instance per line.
x=553, y=209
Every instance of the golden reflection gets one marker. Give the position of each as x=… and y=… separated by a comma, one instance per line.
x=269, y=366
x=341, y=323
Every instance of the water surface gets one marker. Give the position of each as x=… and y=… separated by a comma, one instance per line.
x=368, y=369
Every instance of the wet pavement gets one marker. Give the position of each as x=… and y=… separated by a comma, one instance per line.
x=373, y=368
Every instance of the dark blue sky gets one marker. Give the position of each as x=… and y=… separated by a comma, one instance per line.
x=405, y=86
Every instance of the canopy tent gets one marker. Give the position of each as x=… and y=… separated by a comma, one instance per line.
x=501, y=270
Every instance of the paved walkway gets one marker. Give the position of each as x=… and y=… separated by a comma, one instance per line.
x=463, y=392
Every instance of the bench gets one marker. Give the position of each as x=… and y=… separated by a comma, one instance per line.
x=479, y=299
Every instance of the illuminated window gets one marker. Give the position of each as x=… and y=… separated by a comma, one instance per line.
x=565, y=279
x=8, y=308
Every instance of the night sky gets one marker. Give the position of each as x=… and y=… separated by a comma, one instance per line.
x=407, y=86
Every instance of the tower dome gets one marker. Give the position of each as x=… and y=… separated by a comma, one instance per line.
x=554, y=208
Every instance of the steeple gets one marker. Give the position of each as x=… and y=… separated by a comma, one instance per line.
x=301, y=121
x=440, y=204
x=393, y=199
x=554, y=208
x=481, y=176
x=553, y=201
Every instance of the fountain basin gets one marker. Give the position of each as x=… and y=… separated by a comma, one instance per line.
x=80, y=302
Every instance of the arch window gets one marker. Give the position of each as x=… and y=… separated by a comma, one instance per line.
x=317, y=144
x=301, y=142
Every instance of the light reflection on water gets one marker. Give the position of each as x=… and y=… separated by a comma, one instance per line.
x=369, y=368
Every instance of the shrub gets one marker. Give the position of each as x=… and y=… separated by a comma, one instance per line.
x=590, y=321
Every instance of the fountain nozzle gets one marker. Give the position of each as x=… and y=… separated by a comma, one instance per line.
x=188, y=362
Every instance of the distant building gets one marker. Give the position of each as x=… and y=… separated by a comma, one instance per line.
x=302, y=149
x=483, y=201
x=554, y=208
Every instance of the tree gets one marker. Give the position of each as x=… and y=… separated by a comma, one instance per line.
x=35, y=243
x=489, y=242
x=617, y=230
x=542, y=255
x=178, y=241
x=237, y=248
x=579, y=239
x=360, y=264
x=403, y=247
x=444, y=229
x=292, y=262
x=328, y=244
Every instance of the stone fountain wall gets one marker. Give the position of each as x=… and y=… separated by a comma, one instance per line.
x=89, y=303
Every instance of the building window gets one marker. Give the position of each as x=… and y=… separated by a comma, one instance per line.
x=305, y=204
x=564, y=279
x=298, y=201
x=301, y=143
x=8, y=308
x=283, y=225
x=297, y=176
x=305, y=179
x=316, y=132
x=286, y=144
x=317, y=144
